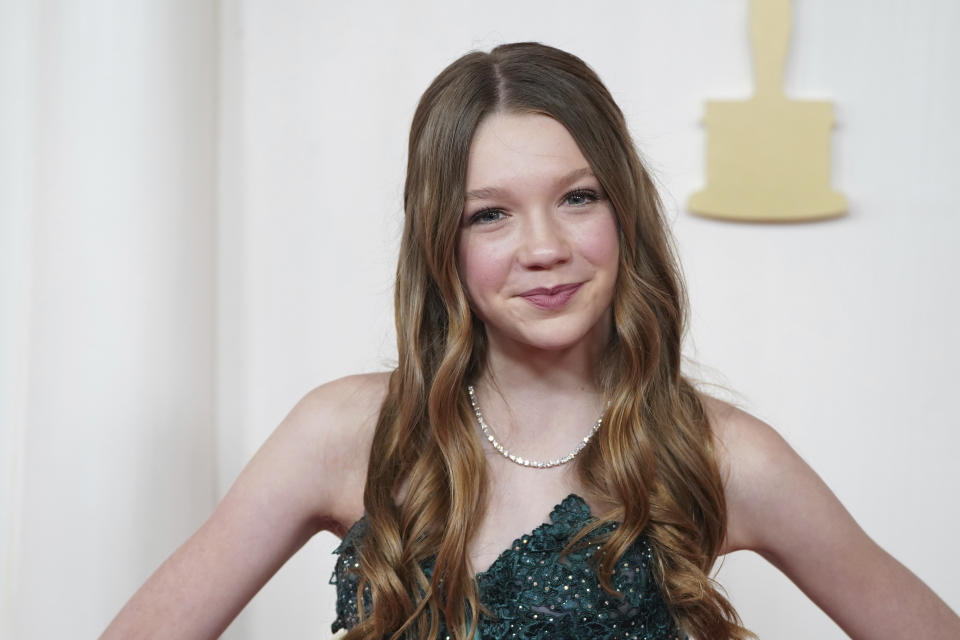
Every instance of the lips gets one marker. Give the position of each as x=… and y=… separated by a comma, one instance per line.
x=553, y=298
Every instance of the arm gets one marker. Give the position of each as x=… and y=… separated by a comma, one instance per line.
x=778, y=507
x=307, y=472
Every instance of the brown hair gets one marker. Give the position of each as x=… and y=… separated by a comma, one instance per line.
x=652, y=466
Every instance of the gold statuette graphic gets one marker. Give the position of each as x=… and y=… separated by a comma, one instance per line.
x=768, y=158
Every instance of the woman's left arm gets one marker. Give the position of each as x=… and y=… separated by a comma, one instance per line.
x=778, y=507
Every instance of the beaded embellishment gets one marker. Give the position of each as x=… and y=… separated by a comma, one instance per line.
x=532, y=593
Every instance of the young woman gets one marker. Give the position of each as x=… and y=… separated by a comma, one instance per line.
x=539, y=316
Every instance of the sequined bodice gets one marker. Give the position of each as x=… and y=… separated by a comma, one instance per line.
x=533, y=594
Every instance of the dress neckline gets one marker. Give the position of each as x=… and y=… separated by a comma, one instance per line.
x=572, y=509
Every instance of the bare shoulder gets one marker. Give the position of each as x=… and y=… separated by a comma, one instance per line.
x=307, y=476
x=333, y=424
x=341, y=413
x=315, y=461
x=743, y=442
x=761, y=474
x=780, y=508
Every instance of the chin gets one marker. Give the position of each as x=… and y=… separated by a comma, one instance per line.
x=559, y=336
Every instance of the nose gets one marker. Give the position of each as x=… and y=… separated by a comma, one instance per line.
x=544, y=243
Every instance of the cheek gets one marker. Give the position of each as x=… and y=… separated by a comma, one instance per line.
x=483, y=268
x=600, y=243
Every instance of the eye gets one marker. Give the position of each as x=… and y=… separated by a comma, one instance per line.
x=581, y=197
x=486, y=216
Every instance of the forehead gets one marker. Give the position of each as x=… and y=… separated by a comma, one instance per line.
x=512, y=147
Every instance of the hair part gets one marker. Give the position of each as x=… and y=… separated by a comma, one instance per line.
x=652, y=465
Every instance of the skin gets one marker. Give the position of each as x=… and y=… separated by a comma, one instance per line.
x=534, y=228
x=536, y=216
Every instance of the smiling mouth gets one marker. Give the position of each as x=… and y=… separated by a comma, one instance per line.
x=554, y=298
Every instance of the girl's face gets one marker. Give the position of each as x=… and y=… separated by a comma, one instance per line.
x=538, y=247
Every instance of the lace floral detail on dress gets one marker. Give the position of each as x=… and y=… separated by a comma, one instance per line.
x=532, y=593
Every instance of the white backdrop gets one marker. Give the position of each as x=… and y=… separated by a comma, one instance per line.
x=201, y=206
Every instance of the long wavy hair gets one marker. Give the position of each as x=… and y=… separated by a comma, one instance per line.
x=652, y=465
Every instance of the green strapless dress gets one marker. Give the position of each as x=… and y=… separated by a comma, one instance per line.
x=533, y=594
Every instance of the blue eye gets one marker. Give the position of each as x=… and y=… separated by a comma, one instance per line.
x=486, y=216
x=580, y=197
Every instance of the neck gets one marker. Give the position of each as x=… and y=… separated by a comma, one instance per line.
x=514, y=367
x=525, y=390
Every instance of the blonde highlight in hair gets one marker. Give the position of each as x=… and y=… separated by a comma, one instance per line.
x=651, y=466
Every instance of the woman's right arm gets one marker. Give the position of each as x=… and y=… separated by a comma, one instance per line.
x=307, y=474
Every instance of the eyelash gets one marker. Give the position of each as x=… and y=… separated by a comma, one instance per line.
x=588, y=195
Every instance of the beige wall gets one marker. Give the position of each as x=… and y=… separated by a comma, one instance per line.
x=108, y=211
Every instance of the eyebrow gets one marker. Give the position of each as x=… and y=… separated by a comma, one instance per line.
x=496, y=192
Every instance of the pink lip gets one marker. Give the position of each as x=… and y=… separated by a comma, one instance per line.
x=554, y=298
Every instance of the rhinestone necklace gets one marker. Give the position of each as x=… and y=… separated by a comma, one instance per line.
x=526, y=462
